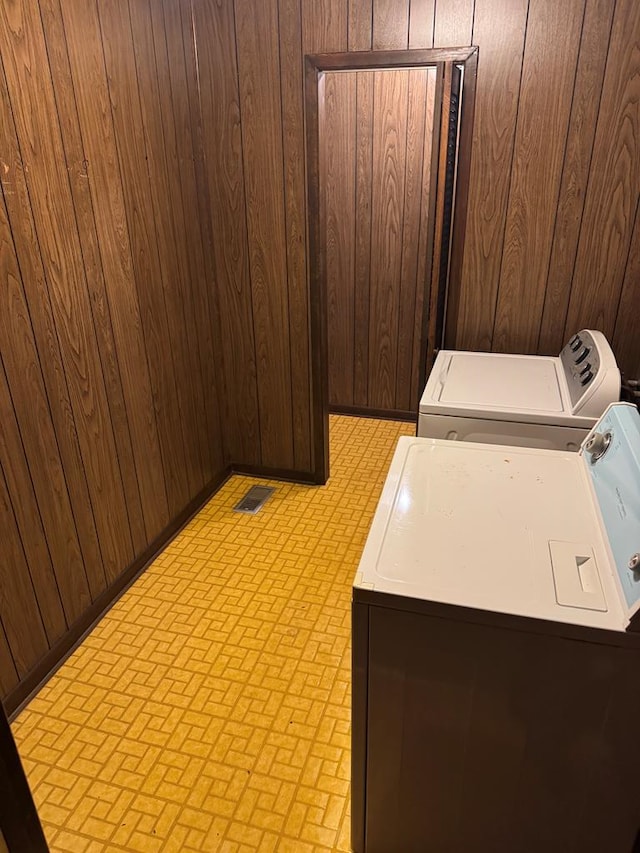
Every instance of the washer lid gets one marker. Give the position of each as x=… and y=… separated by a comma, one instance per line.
x=472, y=525
x=505, y=382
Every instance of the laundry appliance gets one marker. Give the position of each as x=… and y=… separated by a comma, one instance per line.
x=529, y=400
x=496, y=649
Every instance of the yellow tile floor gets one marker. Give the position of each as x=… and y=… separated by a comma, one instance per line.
x=210, y=709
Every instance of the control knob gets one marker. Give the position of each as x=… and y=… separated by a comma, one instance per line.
x=597, y=445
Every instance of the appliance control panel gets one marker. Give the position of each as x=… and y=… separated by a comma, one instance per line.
x=591, y=372
x=611, y=454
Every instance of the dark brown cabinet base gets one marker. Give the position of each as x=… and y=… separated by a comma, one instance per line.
x=483, y=732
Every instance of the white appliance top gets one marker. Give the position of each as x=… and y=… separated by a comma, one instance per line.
x=502, y=381
x=572, y=389
x=508, y=529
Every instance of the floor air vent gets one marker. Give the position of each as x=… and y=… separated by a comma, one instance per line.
x=254, y=500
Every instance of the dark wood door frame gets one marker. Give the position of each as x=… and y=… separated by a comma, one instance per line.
x=20, y=826
x=315, y=67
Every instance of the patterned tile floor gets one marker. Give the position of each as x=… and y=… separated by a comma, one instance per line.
x=209, y=710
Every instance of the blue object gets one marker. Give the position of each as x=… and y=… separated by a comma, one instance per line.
x=616, y=481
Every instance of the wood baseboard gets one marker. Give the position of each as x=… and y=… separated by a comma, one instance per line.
x=380, y=414
x=306, y=478
x=67, y=644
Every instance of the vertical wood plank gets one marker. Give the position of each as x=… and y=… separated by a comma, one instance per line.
x=260, y=107
x=625, y=336
x=18, y=606
x=25, y=240
x=30, y=89
x=173, y=72
x=360, y=24
x=421, y=23
x=295, y=211
x=146, y=30
x=215, y=39
x=24, y=398
x=73, y=588
x=577, y=157
x=389, y=156
x=614, y=182
x=78, y=176
x=437, y=214
x=105, y=238
x=390, y=24
x=8, y=673
x=337, y=151
x=132, y=156
x=27, y=514
x=423, y=271
x=494, y=131
x=325, y=26
x=453, y=25
x=362, y=260
x=415, y=190
x=537, y=167
x=196, y=197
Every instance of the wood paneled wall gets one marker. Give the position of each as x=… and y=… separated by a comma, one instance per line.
x=154, y=308
x=109, y=417
x=375, y=163
x=552, y=237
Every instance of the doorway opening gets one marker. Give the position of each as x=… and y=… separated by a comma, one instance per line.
x=388, y=157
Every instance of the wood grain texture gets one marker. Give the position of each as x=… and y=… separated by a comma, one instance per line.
x=453, y=25
x=119, y=55
x=409, y=319
x=65, y=94
x=387, y=193
x=362, y=261
x=536, y=173
x=8, y=674
x=173, y=263
x=175, y=69
x=614, y=183
x=295, y=213
x=219, y=101
x=260, y=107
x=577, y=158
x=337, y=178
x=25, y=240
x=360, y=25
x=17, y=477
x=494, y=131
x=421, y=23
x=437, y=216
x=26, y=422
x=365, y=251
x=34, y=109
x=18, y=604
x=117, y=312
x=90, y=178
x=390, y=24
x=425, y=253
x=625, y=334
x=186, y=90
x=325, y=26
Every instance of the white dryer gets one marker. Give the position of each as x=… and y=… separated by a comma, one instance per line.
x=496, y=653
x=527, y=400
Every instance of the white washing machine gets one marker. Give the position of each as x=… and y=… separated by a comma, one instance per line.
x=496, y=653
x=527, y=400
